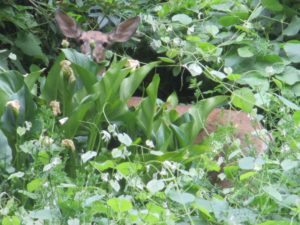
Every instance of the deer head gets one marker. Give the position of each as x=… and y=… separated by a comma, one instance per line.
x=95, y=42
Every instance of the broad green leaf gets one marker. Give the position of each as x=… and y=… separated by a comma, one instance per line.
x=246, y=176
x=35, y=184
x=292, y=50
x=147, y=108
x=182, y=18
x=181, y=197
x=128, y=168
x=155, y=185
x=288, y=103
x=52, y=86
x=83, y=61
x=293, y=27
x=120, y=204
x=290, y=75
x=30, y=45
x=44, y=214
x=296, y=117
x=247, y=163
x=130, y=84
x=5, y=153
x=199, y=113
x=289, y=164
x=108, y=164
x=273, y=192
x=229, y=20
x=245, y=52
x=243, y=98
x=273, y=5
x=11, y=220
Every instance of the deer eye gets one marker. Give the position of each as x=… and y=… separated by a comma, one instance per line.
x=81, y=41
x=104, y=44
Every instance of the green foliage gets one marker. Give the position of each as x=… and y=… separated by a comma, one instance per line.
x=73, y=152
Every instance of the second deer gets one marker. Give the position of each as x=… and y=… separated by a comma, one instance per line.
x=95, y=42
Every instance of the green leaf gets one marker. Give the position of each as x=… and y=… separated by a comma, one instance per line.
x=147, y=107
x=199, y=113
x=166, y=60
x=245, y=52
x=288, y=103
x=288, y=164
x=243, y=98
x=290, y=75
x=128, y=168
x=119, y=204
x=35, y=185
x=155, y=185
x=182, y=18
x=181, y=197
x=5, y=153
x=247, y=163
x=246, y=176
x=272, y=192
x=229, y=20
x=292, y=50
x=273, y=5
x=130, y=84
x=30, y=45
x=296, y=117
x=108, y=164
x=11, y=220
x=293, y=27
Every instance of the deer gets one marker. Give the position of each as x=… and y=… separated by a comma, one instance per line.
x=245, y=128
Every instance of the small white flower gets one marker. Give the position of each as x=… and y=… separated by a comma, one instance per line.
x=105, y=136
x=149, y=143
x=117, y=153
x=133, y=64
x=112, y=128
x=115, y=185
x=105, y=177
x=62, y=121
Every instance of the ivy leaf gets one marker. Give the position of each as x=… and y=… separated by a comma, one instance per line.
x=182, y=18
x=243, y=98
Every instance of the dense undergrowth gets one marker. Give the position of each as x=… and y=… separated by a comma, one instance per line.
x=73, y=152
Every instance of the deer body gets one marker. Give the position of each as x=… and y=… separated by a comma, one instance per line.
x=95, y=42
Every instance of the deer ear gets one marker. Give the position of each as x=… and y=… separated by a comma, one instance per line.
x=67, y=25
x=125, y=30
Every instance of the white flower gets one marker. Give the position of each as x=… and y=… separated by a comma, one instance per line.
x=62, y=121
x=15, y=105
x=149, y=143
x=133, y=64
x=105, y=136
x=105, y=176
